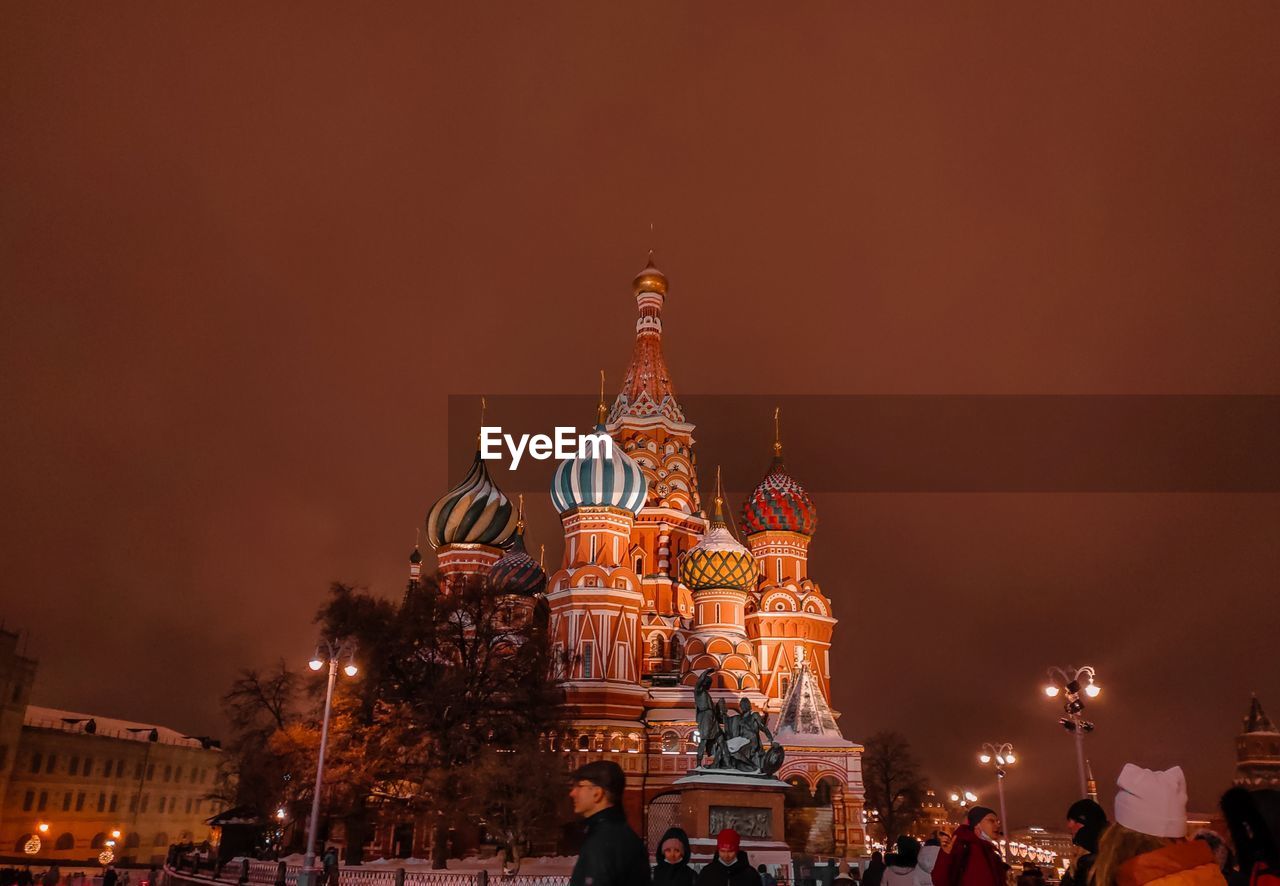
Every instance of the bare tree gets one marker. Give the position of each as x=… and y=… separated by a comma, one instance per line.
x=894, y=786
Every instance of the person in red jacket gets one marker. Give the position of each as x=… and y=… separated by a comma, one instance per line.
x=971, y=858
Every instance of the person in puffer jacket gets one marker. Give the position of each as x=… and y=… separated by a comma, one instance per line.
x=1147, y=845
x=971, y=859
x=673, y=854
x=926, y=861
x=901, y=871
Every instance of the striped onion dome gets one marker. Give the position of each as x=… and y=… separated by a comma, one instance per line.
x=597, y=481
x=517, y=572
x=718, y=560
x=779, y=503
x=473, y=512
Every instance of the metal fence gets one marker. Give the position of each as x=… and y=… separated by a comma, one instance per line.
x=247, y=872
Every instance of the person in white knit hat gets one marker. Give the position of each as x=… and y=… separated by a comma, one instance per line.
x=1147, y=844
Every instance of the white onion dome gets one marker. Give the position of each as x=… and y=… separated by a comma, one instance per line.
x=473, y=512
x=614, y=481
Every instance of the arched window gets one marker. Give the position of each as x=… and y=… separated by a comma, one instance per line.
x=20, y=847
x=97, y=841
x=162, y=839
x=615, y=743
x=132, y=841
x=655, y=646
x=675, y=648
x=584, y=742
x=670, y=742
x=65, y=841
x=633, y=743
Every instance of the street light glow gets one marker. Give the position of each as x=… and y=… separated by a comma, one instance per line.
x=316, y=663
x=971, y=796
x=1051, y=691
x=984, y=758
x=1009, y=758
x=351, y=670
x=115, y=835
x=43, y=827
x=1092, y=690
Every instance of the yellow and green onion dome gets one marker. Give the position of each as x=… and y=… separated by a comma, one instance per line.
x=516, y=572
x=718, y=560
x=614, y=481
x=473, y=512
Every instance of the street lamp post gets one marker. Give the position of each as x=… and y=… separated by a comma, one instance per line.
x=1074, y=684
x=1001, y=755
x=334, y=650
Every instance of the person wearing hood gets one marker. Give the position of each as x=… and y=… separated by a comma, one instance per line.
x=875, y=870
x=971, y=858
x=1147, y=845
x=1086, y=821
x=730, y=867
x=927, y=860
x=1253, y=820
x=673, y=854
x=902, y=870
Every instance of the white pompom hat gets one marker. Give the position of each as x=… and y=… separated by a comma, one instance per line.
x=1153, y=803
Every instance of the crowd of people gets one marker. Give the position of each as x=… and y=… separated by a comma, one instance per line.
x=1144, y=843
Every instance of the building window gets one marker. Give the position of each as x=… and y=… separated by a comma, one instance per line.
x=177, y=774
x=168, y=773
x=66, y=802
x=133, y=803
x=36, y=760
x=160, y=806
x=784, y=685
x=65, y=841
x=88, y=766
x=28, y=801
x=162, y=839
x=115, y=799
x=44, y=801
x=119, y=768
x=132, y=841
x=74, y=768
x=717, y=613
x=137, y=770
x=80, y=801
x=588, y=659
x=146, y=798
x=670, y=742
x=188, y=805
x=198, y=802
x=151, y=772
x=102, y=802
x=53, y=761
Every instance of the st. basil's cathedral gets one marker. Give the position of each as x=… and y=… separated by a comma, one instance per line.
x=651, y=592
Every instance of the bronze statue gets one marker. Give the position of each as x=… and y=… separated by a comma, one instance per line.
x=732, y=743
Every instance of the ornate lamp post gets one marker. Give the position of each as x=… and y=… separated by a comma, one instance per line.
x=1074, y=684
x=334, y=651
x=1001, y=755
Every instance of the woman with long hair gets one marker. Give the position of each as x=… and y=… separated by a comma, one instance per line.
x=1147, y=843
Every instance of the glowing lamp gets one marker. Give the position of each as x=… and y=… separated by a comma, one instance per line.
x=1051, y=691
x=984, y=758
x=43, y=827
x=351, y=670
x=316, y=662
x=1092, y=690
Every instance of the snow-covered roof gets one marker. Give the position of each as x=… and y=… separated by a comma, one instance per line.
x=806, y=718
x=107, y=727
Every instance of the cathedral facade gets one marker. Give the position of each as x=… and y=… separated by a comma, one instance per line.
x=654, y=589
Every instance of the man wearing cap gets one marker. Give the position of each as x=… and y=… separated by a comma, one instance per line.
x=731, y=866
x=611, y=854
x=970, y=859
x=1086, y=821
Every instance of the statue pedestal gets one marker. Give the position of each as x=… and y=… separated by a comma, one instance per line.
x=751, y=805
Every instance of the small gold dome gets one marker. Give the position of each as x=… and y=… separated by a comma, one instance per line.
x=650, y=279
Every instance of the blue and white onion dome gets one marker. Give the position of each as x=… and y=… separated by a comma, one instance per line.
x=614, y=481
x=473, y=512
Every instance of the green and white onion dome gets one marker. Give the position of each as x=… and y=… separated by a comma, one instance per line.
x=614, y=481
x=473, y=512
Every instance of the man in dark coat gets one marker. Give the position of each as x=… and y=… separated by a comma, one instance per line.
x=1086, y=820
x=730, y=867
x=611, y=854
x=971, y=858
x=875, y=870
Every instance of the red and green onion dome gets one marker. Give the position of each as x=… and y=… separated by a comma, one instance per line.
x=615, y=481
x=718, y=560
x=516, y=572
x=473, y=512
x=779, y=504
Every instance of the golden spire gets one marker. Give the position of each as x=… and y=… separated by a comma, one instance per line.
x=777, y=432
x=602, y=411
x=717, y=516
x=542, y=556
x=480, y=433
x=520, y=513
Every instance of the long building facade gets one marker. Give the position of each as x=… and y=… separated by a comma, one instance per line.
x=653, y=589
